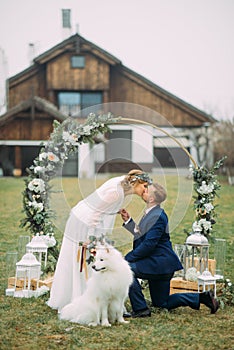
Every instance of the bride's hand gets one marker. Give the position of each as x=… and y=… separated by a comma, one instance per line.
x=124, y=214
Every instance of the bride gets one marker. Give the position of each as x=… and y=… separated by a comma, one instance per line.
x=93, y=216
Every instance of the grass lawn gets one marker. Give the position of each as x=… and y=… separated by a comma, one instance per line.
x=30, y=324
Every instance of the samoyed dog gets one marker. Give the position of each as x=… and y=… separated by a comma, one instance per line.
x=102, y=303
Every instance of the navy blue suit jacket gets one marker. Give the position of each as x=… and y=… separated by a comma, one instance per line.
x=152, y=250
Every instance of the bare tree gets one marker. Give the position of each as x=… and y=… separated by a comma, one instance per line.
x=202, y=142
x=224, y=145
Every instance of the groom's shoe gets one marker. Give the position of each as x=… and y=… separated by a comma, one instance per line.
x=142, y=313
x=127, y=314
x=208, y=299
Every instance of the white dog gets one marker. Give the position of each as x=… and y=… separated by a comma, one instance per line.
x=103, y=300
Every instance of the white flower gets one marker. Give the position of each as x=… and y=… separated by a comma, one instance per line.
x=49, y=240
x=205, y=224
x=208, y=207
x=87, y=129
x=37, y=185
x=210, y=187
x=52, y=157
x=205, y=189
x=37, y=206
x=229, y=284
x=43, y=156
x=39, y=169
x=71, y=138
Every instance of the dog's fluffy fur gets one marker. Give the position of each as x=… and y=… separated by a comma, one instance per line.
x=103, y=300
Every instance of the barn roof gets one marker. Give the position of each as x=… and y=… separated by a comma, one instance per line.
x=34, y=102
x=80, y=44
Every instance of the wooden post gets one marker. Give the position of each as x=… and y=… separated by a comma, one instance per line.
x=18, y=162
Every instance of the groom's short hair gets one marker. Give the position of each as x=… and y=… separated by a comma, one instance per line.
x=160, y=193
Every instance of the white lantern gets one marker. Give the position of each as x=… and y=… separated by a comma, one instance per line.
x=206, y=279
x=27, y=268
x=197, y=252
x=38, y=245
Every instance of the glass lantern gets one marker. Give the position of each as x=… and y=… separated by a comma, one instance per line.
x=27, y=268
x=11, y=260
x=180, y=250
x=197, y=252
x=38, y=246
x=219, y=257
x=22, y=242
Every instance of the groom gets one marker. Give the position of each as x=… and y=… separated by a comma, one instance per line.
x=153, y=259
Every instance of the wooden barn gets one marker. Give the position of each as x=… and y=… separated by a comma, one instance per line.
x=76, y=77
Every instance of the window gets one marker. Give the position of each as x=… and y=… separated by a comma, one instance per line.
x=90, y=99
x=77, y=61
x=71, y=103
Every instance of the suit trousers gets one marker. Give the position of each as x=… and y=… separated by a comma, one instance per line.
x=159, y=287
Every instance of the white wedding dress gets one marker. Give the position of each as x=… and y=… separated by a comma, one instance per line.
x=93, y=216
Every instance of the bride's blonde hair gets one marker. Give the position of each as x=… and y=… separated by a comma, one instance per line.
x=134, y=177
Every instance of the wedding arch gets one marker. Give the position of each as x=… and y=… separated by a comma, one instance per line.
x=63, y=141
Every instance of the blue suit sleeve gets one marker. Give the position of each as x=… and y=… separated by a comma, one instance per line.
x=130, y=226
x=151, y=238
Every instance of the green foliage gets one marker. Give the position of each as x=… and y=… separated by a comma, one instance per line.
x=30, y=324
x=226, y=293
x=205, y=185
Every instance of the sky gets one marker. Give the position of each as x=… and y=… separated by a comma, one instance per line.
x=184, y=46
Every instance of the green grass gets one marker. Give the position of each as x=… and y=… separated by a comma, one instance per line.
x=30, y=324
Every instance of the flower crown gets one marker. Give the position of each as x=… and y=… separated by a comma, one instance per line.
x=143, y=177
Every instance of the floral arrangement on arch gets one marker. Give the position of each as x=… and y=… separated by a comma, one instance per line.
x=63, y=141
x=206, y=186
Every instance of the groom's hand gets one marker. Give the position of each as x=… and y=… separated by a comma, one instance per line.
x=124, y=214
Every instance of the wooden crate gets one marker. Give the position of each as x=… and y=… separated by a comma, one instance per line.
x=20, y=283
x=47, y=282
x=178, y=285
x=211, y=265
